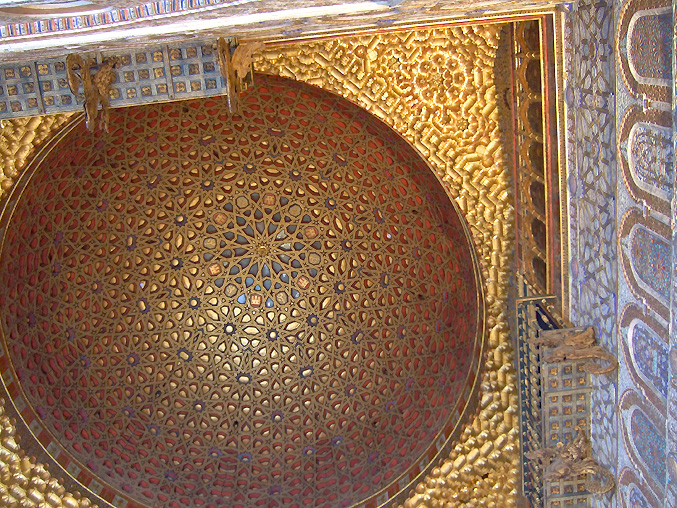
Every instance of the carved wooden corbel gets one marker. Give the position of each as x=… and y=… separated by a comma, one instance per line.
x=96, y=87
x=236, y=64
x=568, y=460
x=575, y=344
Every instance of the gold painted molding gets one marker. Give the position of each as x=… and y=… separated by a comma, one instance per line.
x=435, y=87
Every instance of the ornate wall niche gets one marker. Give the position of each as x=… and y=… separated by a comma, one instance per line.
x=646, y=255
x=644, y=436
x=644, y=47
x=646, y=354
x=647, y=158
x=634, y=491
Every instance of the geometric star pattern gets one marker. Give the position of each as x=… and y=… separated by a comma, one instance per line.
x=276, y=307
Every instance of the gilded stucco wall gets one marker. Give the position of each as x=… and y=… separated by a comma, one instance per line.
x=18, y=139
x=435, y=87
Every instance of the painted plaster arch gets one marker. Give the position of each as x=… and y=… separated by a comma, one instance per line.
x=644, y=439
x=646, y=260
x=646, y=354
x=647, y=158
x=634, y=492
x=641, y=31
x=648, y=46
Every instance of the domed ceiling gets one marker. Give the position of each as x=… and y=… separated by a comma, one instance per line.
x=278, y=308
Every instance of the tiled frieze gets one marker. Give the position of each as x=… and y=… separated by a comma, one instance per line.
x=142, y=76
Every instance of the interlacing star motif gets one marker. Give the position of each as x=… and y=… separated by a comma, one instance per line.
x=213, y=305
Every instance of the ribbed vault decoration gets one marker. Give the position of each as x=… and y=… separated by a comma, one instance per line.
x=277, y=308
x=481, y=469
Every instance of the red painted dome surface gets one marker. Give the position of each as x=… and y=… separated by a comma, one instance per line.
x=277, y=308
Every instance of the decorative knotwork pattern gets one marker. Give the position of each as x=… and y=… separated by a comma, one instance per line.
x=202, y=307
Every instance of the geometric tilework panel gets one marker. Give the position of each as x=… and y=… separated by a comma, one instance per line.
x=650, y=151
x=644, y=44
x=646, y=157
x=650, y=259
x=650, y=444
x=650, y=356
